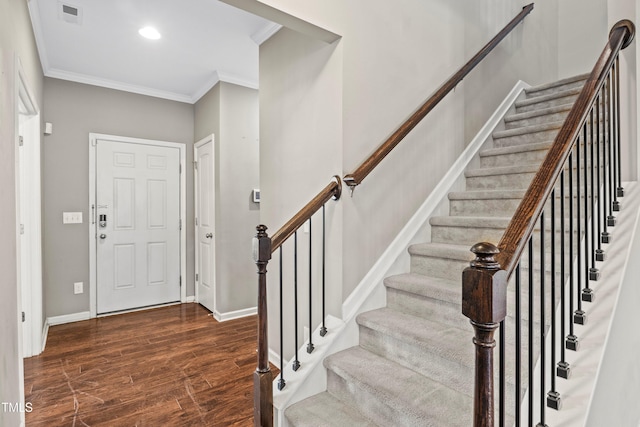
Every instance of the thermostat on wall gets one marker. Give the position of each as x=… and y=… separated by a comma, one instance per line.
x=256, y=195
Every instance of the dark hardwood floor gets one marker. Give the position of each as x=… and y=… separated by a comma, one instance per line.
x=170, y=366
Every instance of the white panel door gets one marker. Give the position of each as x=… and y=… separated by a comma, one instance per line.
x=138, y=229
x=205, y=216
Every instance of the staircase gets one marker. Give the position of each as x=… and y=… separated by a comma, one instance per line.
x=414, y=364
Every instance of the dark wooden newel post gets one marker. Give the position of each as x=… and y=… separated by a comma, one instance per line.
x=484, y=302
x=262, y=377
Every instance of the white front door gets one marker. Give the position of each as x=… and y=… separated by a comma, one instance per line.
x=205, y=222
x=138, y=225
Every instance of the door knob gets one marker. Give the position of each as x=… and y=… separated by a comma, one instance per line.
x=103, y=236
x=208, y=235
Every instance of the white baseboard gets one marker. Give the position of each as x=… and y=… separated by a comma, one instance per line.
x=223, y=317
x=190, y=299
x=68, y=318
x=45, y=334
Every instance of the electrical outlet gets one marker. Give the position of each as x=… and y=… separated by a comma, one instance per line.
x=78, y=288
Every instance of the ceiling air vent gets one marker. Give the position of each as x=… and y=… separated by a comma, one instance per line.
x=69, y=13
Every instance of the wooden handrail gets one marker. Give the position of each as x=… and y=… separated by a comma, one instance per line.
x=524, y=219
x=331, y=191
x=355, y=178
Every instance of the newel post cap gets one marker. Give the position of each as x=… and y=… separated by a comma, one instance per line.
x=484, y=286
x=631, y=28
x=261, y=245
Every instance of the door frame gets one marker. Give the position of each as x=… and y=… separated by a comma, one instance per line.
x=93, y=228
x=208, y=139
x=28, y=209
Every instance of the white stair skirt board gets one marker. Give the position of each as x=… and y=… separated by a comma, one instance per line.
x=370, y=292
x=237, y=314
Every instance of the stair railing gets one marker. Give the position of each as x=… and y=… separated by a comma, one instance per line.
x=264, y=246
x=355, y=178
x=560, y=225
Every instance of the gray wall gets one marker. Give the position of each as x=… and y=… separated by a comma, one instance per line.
x=230, y=112
x=383, y=69
x=76, y=110
x=16, y=40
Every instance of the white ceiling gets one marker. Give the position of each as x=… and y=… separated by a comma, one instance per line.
x=203, y=42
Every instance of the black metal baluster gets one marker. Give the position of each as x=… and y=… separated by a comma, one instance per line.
x=502, y=377
x=599, y=253
x=281, y=381
x=606, y=236
x=563, y=370
x=530, y=331
x=579, y=316
x=518, y=361
x=572, y=342
x=310, y=346
x=323, y=330
x=611, y=220
x=619, y=189
x=553, y=397
x=543, y=345
x=594, y=273
x=296, y=361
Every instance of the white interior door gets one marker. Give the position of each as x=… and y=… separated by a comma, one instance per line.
x=205, y=222
x=138, y=228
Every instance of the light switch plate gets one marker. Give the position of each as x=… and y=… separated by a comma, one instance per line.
x=72, y=217
x=78, y=287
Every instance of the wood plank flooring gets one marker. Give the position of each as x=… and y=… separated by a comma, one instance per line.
x=170, y=366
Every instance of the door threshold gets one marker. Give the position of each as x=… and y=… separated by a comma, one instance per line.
x=133, y=310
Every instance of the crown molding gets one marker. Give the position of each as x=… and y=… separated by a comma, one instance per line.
x=112, y=84
x=265, y=33
x=218, y=77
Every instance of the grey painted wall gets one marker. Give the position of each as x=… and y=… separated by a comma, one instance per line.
x=16, y=40
x=76, y=110
x=230, y=112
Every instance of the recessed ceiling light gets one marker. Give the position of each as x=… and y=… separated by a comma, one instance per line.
x=149, y=33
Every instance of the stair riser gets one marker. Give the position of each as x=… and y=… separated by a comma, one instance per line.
x=523, y=158
x=485, y=207
x=427, y=308
x=512, y=181
x=554, y=89
x=527, y=138
x=444, y=268
x=536, y=120
x=546, y=104
x=472, y=235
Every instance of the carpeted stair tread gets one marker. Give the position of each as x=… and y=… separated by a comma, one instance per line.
x=392, y=394
x=486, y=195
x=502, y=170
x=442, y=250
x=548, y=111
x=525, y=130
x=557, y=84
x=324, y=410
x=426, y=286
x=549, y=97
x=470, y=221
x=499, y=151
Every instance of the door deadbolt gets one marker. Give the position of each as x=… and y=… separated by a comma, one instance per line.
x=103, y=236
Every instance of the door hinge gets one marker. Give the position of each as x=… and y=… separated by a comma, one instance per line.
x=20, y=140
x=195, y=165
x=197, y=277
x=180, y=167
x=180, y=281
x=24, y=317
x=21, y=228
x=180, y=225
x=196, y=222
